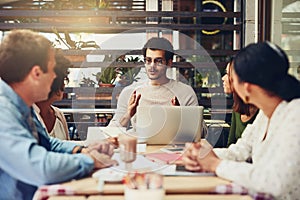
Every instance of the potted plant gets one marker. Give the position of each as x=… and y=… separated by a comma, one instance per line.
x=128, y=74
x=107, y=77
x=78, y=4
x=87, y=82
x=198, y=80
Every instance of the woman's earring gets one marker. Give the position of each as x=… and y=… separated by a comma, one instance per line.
x=246, y=99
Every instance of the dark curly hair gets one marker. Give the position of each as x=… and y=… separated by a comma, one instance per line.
x=62, y=70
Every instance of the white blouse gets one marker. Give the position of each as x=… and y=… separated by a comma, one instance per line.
x=60, y=128
x=276, y=163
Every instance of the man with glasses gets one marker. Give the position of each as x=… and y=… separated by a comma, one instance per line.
x=159, y=89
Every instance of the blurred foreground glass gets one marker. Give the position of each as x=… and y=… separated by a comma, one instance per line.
x=146, y=186
x=127, y=145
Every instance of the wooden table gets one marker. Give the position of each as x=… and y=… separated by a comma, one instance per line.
x=167, y=197
x=172, y=185
x=176, y=188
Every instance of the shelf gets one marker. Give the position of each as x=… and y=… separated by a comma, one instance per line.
x=106, y=98
x=108, y=21
x=87, y=110
x=84, y=104
x=33, y=15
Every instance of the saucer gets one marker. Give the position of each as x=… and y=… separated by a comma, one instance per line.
x=108, y=175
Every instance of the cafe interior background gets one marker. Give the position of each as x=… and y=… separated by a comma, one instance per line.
x=97, y=35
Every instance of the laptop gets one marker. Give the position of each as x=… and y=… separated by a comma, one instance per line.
x=164, y=125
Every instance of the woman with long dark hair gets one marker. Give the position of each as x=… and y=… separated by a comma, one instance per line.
x=242, y=113
x=260, y=77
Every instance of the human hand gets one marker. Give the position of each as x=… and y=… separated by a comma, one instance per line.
x=131, y=110
x=175, y=101
x=101, y=160
x=114, y=141
x=133, y=103
x=189, y=157
x=103, y=146
x=200, y=157
x=207, y=159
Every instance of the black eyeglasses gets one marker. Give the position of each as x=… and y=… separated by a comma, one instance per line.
x=156, y=61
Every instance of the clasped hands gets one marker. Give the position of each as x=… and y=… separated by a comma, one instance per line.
x=101, y=152
x=200, y=157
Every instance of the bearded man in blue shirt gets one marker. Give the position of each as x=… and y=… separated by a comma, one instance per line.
x=29, y=157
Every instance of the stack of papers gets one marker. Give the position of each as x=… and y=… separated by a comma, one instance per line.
x=145, y=165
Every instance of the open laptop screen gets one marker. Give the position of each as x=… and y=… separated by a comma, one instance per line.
x=168, y=124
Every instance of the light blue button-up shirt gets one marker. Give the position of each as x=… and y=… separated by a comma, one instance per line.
x=26, y=163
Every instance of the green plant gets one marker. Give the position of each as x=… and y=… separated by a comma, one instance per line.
x=75, y=4
x=87, y=82
x=71, y=44
x=128, y=74
x=107, y=76
x=198, y=79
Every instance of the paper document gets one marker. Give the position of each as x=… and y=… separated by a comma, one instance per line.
x=142, y=164
x=95, y=133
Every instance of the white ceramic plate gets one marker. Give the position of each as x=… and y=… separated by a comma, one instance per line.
x=108, y=175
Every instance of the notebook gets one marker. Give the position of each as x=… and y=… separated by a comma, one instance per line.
x=96, y=133
x=168, y=124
